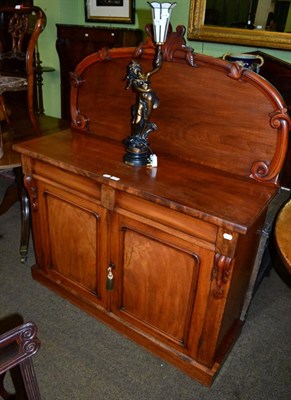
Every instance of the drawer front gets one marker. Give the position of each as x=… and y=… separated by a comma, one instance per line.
x=201, y=231
x=66, y=180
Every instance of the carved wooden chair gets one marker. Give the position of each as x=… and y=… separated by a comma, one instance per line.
x=20, y=29
x=19, y=33
x=17, y=346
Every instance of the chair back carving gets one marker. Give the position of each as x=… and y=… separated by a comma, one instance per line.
x=19, y=33
x=20, y=30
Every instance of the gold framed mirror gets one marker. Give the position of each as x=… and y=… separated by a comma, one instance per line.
x=198, y=29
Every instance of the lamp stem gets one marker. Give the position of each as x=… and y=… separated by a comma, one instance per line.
x=159, y=57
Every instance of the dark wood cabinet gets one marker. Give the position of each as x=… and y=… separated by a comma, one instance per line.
x=13, y=3
x=75, y=42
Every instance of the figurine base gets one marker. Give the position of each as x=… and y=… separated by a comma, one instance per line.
x=136, y=159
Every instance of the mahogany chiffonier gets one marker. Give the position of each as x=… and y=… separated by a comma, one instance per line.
x=163, y=255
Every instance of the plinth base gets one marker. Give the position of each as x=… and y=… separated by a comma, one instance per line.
x=136, y=159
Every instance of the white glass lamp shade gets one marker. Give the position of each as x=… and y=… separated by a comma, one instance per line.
x=161, y=18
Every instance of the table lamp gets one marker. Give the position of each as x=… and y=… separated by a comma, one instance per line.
x=138, y=152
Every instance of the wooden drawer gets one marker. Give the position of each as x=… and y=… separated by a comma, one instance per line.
x=169, y=218
x=67, y=181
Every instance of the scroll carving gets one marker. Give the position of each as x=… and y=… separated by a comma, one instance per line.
x=221, y=273
x=81, y=121
x=175, y=46
x=28, y=341
x=268, y=171
x=31, y=187
x=260, y=170
x=277, y=117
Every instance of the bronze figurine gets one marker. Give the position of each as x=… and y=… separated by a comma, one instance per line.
x=137, y=147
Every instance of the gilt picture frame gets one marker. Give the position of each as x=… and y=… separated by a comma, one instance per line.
x=110, y=11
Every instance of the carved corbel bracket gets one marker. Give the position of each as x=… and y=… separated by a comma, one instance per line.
x=31, y=186
x=235, y=71
x=221, y=274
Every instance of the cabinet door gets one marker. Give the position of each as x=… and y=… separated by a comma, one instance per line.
x=157, y=274
x=74, y=252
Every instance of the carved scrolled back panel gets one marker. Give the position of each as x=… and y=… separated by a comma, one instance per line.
x=241, y=123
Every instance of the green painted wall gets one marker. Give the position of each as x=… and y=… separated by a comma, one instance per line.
x=73, y=12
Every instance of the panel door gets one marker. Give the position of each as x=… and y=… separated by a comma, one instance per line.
x=73, y=238
x=157, y=276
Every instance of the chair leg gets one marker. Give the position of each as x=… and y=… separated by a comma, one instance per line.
x=17, y=192
x=5, y=112
x=29, y=380
x=25, y=225
x=25, y=214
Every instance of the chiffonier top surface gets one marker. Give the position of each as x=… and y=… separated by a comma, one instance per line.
x=206, y=193
x=221, y=140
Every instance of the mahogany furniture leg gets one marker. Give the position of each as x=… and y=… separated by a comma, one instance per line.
x=25, y=225
x=17, y=192
x=29, y=379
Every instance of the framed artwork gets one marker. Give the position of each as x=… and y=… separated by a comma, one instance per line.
x=113, y=11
